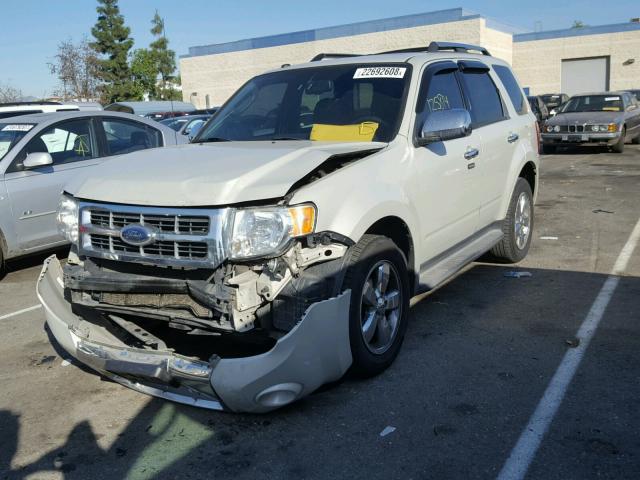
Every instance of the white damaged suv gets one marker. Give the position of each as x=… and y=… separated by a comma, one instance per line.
x=281, y=248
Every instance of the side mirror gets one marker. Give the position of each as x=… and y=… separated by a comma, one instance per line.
x=194, y=130
x=443, y=125
x=37, y=159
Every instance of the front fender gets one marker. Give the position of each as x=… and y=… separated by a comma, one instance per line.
x=355, y=197
x=8, y=237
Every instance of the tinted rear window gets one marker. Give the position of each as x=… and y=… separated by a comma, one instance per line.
x=484, y=99
x=513, y=89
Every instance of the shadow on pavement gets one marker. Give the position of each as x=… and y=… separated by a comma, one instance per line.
x=478, y=355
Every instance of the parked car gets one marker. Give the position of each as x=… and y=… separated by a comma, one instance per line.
x=8, y=110
x=40, y=153
x=554, y=101
x=271, y=255
x=538, y=108
x=143, y=108
x=635, y=93
x=607, y=119
x=188, y=126
x=158, y=116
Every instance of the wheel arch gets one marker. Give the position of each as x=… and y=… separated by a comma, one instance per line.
x=529, y=172
x=398, y=232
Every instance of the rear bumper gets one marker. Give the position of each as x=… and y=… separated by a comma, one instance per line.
x=314, y=352
x=580, y=138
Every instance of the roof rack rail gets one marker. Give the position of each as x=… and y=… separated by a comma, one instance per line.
x=440, y=46
x=322, y=56
x=457, y=47
x=36, y=102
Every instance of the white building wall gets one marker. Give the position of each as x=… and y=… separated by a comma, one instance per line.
x=538, y=63
x=222, y=74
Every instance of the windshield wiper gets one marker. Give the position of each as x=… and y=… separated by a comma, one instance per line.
x=212, y=139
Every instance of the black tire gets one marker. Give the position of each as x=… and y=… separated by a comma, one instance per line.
x=548, y=149
x=619, y=147
x=2, y=264
x=507, y=250
x=636, y=141
x=363, y=257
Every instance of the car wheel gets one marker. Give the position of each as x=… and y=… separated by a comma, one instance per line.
x=619, y=147
x=636, y=141
x=2, y=265
x=548, y=149
x=517, y=225
x=379, y=281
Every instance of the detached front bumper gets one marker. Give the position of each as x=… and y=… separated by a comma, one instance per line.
x=581, y=138
x=314, y=352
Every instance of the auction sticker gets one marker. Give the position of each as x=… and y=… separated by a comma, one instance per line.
x=18, y=127
x=611, y=99
x=380, y=72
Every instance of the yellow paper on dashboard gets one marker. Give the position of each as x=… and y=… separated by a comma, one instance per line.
x=360, y=132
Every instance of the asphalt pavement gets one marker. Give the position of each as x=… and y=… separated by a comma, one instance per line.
x=479, y=355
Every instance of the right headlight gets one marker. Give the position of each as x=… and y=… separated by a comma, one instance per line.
x=264, y=232
x=67, y=218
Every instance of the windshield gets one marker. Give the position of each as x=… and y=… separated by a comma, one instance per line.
x=10, y=134
x=551, y=100
x=594, y=103
x=352, y=102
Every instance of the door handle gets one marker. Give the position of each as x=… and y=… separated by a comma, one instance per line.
x=513, y=137
x=471, y=153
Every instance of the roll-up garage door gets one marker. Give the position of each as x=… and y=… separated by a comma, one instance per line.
x=582, y=75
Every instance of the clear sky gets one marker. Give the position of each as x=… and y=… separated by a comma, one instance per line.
x=31, y=29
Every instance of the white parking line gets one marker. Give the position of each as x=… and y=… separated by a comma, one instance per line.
x=516, y=466
x=19, y=312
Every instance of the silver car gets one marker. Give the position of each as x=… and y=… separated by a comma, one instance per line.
x=608, y=119
x=40, y=153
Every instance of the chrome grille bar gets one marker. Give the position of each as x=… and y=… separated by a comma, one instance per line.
x=183, y=237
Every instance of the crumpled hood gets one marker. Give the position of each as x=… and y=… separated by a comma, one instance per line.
x=580, y=118
x=209, y=174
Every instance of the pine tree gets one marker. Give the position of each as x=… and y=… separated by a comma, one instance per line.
x=165, y=58
x=113, y=43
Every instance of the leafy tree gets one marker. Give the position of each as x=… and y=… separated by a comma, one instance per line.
x=164, y=57
x=578, y=24
x=76, y=66
x=145, y=72
x=113, y=43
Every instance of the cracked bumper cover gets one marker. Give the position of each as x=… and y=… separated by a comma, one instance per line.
x=314, y=352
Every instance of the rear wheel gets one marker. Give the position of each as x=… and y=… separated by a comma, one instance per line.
x=636, y=141
x=379, y=282
x=619, y=147
x=517, y=225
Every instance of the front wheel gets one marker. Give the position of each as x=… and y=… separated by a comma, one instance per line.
x=548, y=149
x=517, y=225
x=619, y=147
x=378, y=278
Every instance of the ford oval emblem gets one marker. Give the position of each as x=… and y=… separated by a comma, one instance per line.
x=137, y=235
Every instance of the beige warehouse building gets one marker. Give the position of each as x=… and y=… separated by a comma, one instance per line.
x=571, y=61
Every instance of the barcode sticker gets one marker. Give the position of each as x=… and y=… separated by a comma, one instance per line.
x=18, y=127
x=380, y=72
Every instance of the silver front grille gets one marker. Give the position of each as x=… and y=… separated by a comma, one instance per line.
x=192, y=238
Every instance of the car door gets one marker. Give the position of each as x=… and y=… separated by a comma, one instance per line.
x=126, y=136
x=445, y=181
x=632, y=116
x=34, y=193
x=500, y=135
